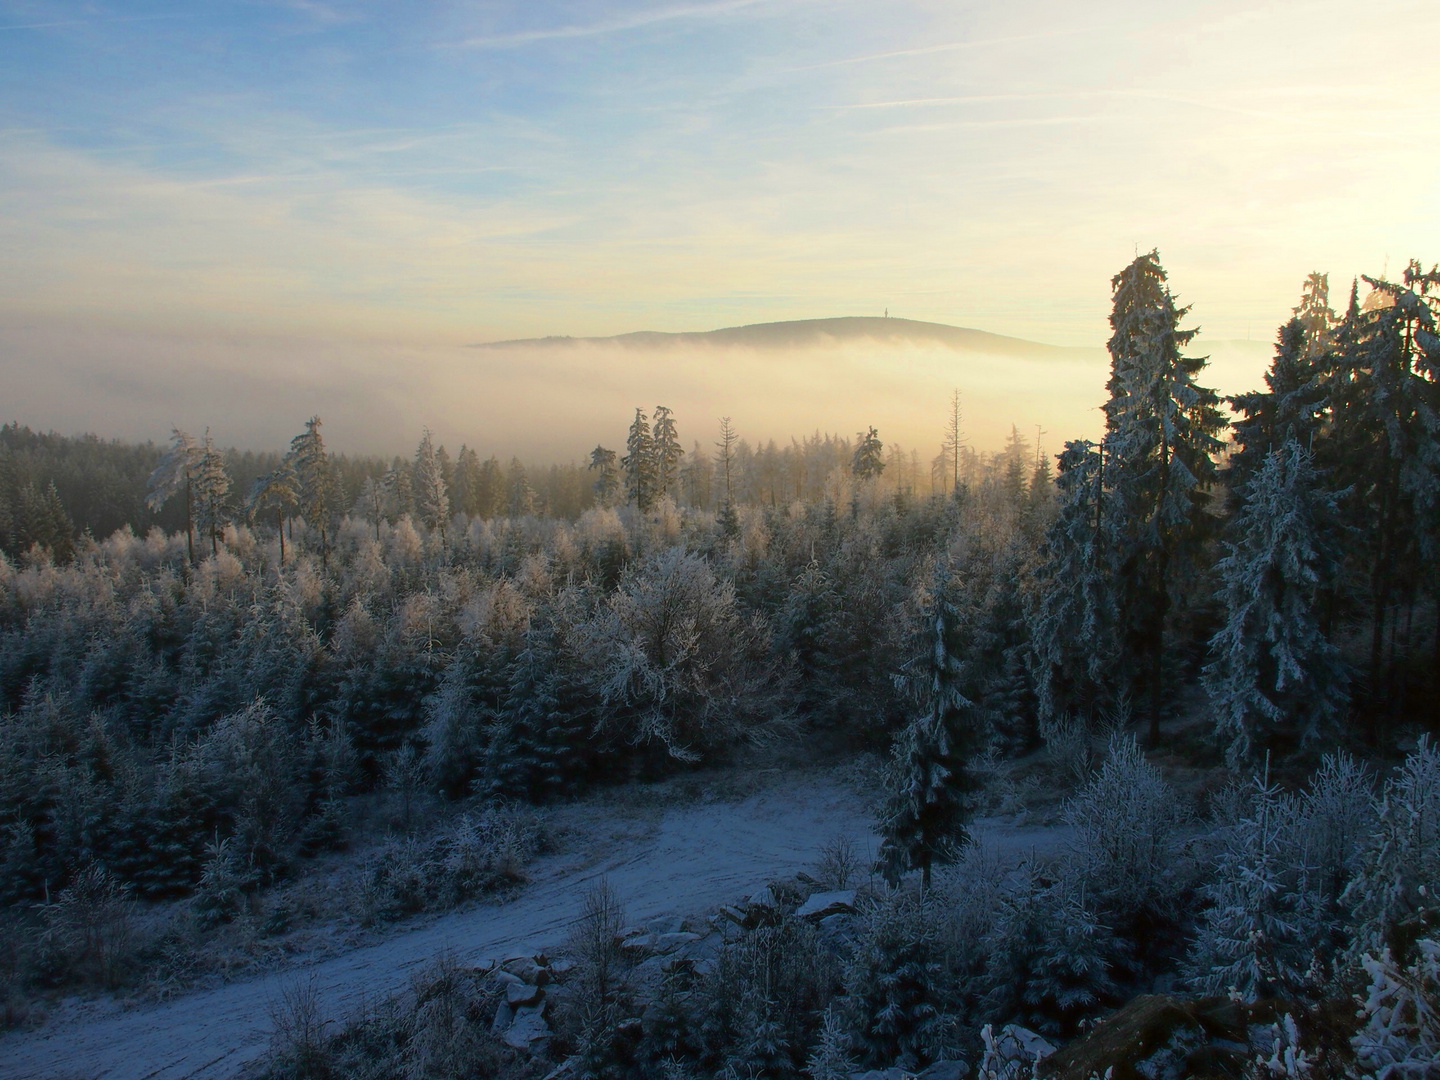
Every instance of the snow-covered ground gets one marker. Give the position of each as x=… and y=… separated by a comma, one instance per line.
x=686, y=861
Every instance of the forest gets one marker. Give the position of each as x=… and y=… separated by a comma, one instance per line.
x=220, y=668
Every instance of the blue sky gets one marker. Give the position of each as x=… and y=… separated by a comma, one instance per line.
x=443, y=173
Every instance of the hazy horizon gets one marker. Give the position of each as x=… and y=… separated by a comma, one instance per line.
x=553, y=402
x=243, y=214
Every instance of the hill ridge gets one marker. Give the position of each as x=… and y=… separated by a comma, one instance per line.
x=797, y=332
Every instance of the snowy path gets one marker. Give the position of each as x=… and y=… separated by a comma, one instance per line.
x=693, y=859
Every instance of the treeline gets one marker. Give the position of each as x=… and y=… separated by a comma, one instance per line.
x=56, y=489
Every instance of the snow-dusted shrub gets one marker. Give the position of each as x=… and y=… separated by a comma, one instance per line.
x=673, y=651
x=1259, y=936
x=1400, y=873
x=899, y=986
x=1337, y=818
x=830, y=1059
x=1048, y=957
x=1124, y=847
x=478, y=854
x=1400, y=1036
x=89, y=931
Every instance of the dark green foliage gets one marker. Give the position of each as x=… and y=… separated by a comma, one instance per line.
x=898, y=986
x=923, y=822
x=1159, y=446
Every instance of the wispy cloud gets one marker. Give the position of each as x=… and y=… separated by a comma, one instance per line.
x=613, y=26
x=927, y=50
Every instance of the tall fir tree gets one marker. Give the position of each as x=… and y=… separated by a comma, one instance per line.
x=868, y=461
x=315, y=479
x=607, y=480
x=211, y=486
x=1160, y=438
x=1074, y=615
x=1273, y=672
x=666, y=448
x=432, y=498
x=639, y=463
x=1290, y=409
x=1384, y=442
x=924, y=818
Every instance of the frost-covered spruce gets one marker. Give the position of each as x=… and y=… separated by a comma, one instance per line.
x=830, y=1059
x=1273, y=670
x=1160, y=426
x=1125, y=821
x=1258, y=937
x=432, y=499
x=1398, y=880
x=1073, y=620
x=897, y=985
x=1049, y=958
x=923, y=820
x=1400, y=1036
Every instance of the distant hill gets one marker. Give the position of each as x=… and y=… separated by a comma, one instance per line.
x=804, y=332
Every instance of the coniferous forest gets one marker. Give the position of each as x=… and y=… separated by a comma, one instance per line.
x=248, y=696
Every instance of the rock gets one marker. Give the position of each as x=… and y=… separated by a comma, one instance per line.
x=946, y=1069
x=519, y=994
x=1139, y=1030
x=806, y=879
x=527, y=968
x=762, y=898
x=505, y=979
x=638, y=945
x=822, y=904
x=665, y=924
x=733, y=914
x=527, y=1027
x=670, y=942
x=882, y=1074
x=504, y=1017
x=560, y=968
x=1032, y=1047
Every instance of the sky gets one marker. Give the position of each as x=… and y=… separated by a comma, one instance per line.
x=234, y=214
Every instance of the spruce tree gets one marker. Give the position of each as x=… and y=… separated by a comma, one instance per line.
x=639, y=463
x=431, y=497
x=211, y=485
x=1384, y=446
x=1290, y=410
x=1160, y=435
x=1274, y=672
x=607, y=482
x=868, y=461
x=1074, y=616
x=923, y=820
x=316, y=481
x=666, y=448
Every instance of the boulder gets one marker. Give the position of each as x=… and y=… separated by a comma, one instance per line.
x=519, y=994
x=822, y=904
x=672, y=941
x=946, y=1069
x=732, y=914
x=1028, y=1046
x=1146, y=1026
x=527, y=968
x=527, y=1027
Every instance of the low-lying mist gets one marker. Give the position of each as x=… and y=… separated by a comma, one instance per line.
x=554, y=400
